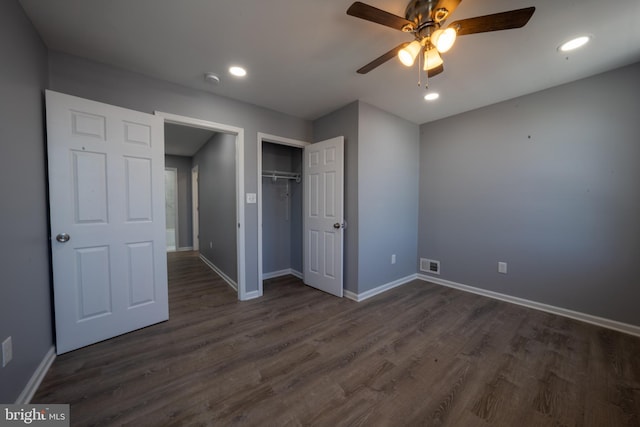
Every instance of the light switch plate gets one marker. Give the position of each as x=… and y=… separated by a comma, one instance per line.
x=251, y=198
x=502, y=267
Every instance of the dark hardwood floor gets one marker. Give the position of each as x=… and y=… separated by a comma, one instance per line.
x=419, y=354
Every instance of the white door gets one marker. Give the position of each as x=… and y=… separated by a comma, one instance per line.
x=323, y=169
x=106, y=168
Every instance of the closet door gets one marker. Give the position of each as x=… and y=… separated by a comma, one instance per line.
x=323, y=215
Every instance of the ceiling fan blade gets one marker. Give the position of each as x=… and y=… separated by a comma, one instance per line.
x=381, y=59
x=449, y=5
x=435, y=71
x=495, y=22
x=379, y=16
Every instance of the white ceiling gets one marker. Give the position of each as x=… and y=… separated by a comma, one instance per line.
x=184, y=140
x=302, y=55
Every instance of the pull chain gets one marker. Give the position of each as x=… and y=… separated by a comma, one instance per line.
x=419, y=68
x=426, y=74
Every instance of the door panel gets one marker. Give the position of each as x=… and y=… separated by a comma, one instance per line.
x=138, y=184
x=93, y=266
x=106, y=184
x=323, y=215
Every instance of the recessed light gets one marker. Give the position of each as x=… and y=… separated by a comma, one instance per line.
x=432, y=96
x=574, y=43
x=238, y=71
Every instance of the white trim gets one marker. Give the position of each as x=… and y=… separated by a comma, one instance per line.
x=37, y=377
x=241, y=287
x=182, y=249
x=195, y=206
x=220, y=273
x=274, y=139
x=583, y=317
x=265, y=137
x=380, y=289
x=351, y=295
x=253, y=295
x=285, y=272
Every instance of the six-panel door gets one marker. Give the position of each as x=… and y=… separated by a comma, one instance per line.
x=106, y=184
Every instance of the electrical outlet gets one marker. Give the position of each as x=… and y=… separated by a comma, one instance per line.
x=393, y=259
x=502, y=267
x=7, y=352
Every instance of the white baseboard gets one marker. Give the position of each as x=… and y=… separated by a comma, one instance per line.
x=587, y=318
x=37, y=377
x=219, y=272
x=379, y=289
x=285, y=272
x=252, y=295
x=350, y=295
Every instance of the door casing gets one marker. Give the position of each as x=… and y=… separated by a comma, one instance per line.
x=273, y=139
x=240, y=211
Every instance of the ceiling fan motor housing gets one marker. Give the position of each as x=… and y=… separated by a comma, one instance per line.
x=422, y=11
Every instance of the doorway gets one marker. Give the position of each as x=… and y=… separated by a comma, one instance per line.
x=234, y=266
x=281, y=183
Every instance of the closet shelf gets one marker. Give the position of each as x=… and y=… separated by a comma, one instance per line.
x=276, y=175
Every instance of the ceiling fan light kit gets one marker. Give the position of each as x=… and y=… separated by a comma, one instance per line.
x=432, y=59
x=425, y=20
x=408, y=54
x=443, y=40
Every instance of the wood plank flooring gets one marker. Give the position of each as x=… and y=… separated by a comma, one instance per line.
x=418, y=355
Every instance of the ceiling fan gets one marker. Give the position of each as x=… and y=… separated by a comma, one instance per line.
x=425, y=19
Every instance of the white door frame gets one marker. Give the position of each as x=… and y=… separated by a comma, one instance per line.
x=177, y=222
x=264, y=137
x=195, y=207
x=240, y=219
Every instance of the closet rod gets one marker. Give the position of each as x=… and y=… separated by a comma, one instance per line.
x=275, y=175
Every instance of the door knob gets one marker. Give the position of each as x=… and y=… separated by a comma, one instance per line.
x=336, y=225
x=63, y=237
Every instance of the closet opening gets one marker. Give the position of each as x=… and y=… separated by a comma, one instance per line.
x=280, y=192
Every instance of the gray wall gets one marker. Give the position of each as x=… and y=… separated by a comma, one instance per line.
x=281, y=210
x=216, y=162
x=388, y=163
x=92, y=80
x=381, y=187
x=25, y=294
x=344, y=122
x=548, y=183
x=185, y=220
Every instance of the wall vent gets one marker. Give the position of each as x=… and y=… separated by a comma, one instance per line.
x=429, y=266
